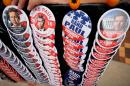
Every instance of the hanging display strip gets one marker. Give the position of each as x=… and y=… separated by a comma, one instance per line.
x=14, y=61
x=76, y=29
x=21, y=37
x=43, y=26
x=112, y=28
x=9, y=71
x=3, y=76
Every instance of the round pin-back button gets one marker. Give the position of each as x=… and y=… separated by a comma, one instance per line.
x=43, y=39
x=20, y=24
x=75, y=45
x=71, y=57
x=21, y=37
x=23, y=44
x=98, y=62
x=102, y=56
x=0, y=43
x=97, y=65
x=95, y=68
x=72, y=78
x=42, y=21
x=113, y=24
x=103, y=50
x=109, y=43
x=3, y=49
x=72, y=52
x=24, y=50
x=77, y=25
x=84, y=49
